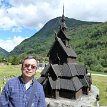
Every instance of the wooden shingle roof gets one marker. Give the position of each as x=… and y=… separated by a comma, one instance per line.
x=73, y=69
x=54, y=84
x=57, y=69
x=80, y=69
x=67, y=84
x=69, y=70
x=45, y=70
x=84, y=82
x=69, y=51
x=65, y=71
x=77, y=84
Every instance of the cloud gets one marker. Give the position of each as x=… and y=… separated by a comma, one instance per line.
x=35, y=13
x=93, y=10
x=10, y=43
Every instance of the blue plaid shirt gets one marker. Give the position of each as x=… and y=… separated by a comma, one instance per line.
x=15, y=93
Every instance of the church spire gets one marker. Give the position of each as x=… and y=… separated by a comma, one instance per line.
x=63, y=9
x=63, y=25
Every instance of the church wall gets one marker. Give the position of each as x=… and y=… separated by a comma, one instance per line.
x=78, y=94
x=71, y=60
x=67, y=94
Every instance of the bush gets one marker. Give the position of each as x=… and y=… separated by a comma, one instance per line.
x=97, y=68
x=15, y=60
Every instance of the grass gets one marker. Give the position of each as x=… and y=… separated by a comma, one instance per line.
x=10, y=71
x=101, y=83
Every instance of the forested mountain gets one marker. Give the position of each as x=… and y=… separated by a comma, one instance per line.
x=41, y=41
x=3, y=52
x=88, y=39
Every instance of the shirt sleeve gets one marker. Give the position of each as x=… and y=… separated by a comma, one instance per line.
x=4, y=97
x=41, y=101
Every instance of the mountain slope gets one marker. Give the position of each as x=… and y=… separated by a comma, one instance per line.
x=40, y=42
x=3, y=52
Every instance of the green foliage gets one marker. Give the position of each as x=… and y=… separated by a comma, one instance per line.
x=1, y=58
x=15, y=60
x=90, y=60
x=103, y=59
x=97, y=68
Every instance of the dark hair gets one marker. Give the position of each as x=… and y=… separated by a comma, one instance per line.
x=28, y=57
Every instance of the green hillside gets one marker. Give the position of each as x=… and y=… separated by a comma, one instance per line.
x=40, y=42
x=88, y=39
x=3, y=52
x=90, y=43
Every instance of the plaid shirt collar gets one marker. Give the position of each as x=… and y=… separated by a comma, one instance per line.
x=22, y=81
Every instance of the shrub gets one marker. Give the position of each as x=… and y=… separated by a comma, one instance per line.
x=97, y=68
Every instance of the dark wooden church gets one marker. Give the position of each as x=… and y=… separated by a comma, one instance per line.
x=63, y=77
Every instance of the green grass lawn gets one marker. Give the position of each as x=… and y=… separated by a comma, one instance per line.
x=101, y=83
x=10, y=71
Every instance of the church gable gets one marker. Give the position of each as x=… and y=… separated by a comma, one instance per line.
x=62, y=35
x=45, y=70
x=67, y=50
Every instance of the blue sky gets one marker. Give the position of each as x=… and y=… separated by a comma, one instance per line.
x=5, y=34
x=20, y=19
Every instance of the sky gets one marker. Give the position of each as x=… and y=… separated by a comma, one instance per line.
x=20, y=19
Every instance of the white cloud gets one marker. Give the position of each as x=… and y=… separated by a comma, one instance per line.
x=93, y=10
x=33, y=13
x=10, y=43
